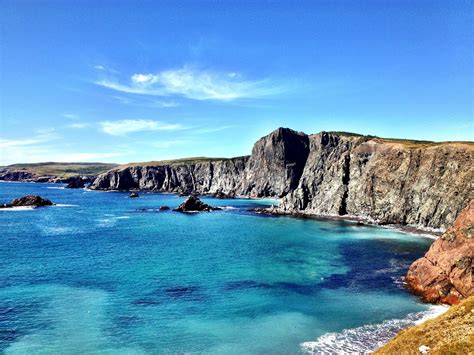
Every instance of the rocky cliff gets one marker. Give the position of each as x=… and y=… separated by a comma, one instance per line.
x=446, y=273
x=423, y=184
x=387, y=181
x=200, y=176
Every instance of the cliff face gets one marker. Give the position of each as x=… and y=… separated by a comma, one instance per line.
x=446, y=273
x=388, y=181
x=276, y=164
x=202, y=177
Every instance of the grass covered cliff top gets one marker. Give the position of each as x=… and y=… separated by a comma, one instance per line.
x=191, y=160
x=407, y=143
x=450, y=333
x=61, y=169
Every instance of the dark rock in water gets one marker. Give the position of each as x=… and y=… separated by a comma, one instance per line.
x=220, y=194
x=28, y=200
x=194, y=204
x=164, y=208
x=76, y=183
x=133, y=195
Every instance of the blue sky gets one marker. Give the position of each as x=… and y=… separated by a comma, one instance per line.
x=122, y=81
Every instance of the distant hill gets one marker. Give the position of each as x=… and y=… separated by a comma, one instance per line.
x=62, y=170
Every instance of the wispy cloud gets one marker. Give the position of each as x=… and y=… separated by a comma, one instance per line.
x=122, y=127
x=42, y=136
x=78, y=125
x=105, y=69
x=70, y=116
x=205, y=130
x=146, y=102
x=194, y=84
x=11, y=143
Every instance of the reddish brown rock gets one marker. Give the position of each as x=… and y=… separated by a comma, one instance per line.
x=446, y=273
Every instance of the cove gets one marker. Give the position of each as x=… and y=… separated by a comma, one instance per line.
x=101, y=272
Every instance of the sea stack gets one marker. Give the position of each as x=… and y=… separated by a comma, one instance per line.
x=27, y=201
x=194, y=204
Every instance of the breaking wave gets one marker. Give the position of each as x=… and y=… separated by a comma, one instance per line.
x=369, y=337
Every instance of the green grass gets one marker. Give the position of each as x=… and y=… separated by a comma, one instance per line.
x=62, y=169
x=182, y=161
x=449, y=333
x=407, y=143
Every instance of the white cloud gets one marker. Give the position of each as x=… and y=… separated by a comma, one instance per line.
x=193, y=84
x=117, y=128
x=9, y=143
x=79, y=125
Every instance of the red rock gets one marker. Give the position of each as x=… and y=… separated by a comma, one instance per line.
x=446, y=273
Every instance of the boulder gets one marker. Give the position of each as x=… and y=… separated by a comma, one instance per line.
x=28, y=200
x=194, y=204
x=446, y=273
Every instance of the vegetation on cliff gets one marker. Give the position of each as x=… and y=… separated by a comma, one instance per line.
x=60, y=170
x=450, y=333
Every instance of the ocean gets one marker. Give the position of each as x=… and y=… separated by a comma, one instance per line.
x=104, y=273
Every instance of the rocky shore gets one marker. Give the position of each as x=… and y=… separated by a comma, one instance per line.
x=446, y=273
x=416, y=184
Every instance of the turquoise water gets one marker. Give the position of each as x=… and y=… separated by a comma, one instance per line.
x=103, y=273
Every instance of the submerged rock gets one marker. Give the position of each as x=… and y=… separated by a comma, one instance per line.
x=446, y=273
x=133, y=195
x=28, y=200
x=194, y=204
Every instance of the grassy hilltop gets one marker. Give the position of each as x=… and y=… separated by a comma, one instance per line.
x=61, y=169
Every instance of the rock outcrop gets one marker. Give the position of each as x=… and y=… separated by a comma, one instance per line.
x=194, y=204
x=76, y=183
x=29, y=201
x=276, y=164
x=446, y=273
x=386, y=181
x=212, y=176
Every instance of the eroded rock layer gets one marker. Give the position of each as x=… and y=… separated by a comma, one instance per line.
x=423, y=184
x=446, y=273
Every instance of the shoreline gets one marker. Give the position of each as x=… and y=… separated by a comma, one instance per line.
x=370, y=337
x=363, y=221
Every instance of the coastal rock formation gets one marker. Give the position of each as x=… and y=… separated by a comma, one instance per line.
x=76, y=183
x=194, y=204
x=386, y=181
x=8, y=175
x=276, y=164
x=28, y=200
x=211, y=176
x=446, y=273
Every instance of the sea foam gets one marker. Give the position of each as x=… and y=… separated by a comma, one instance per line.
x=368, y=338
